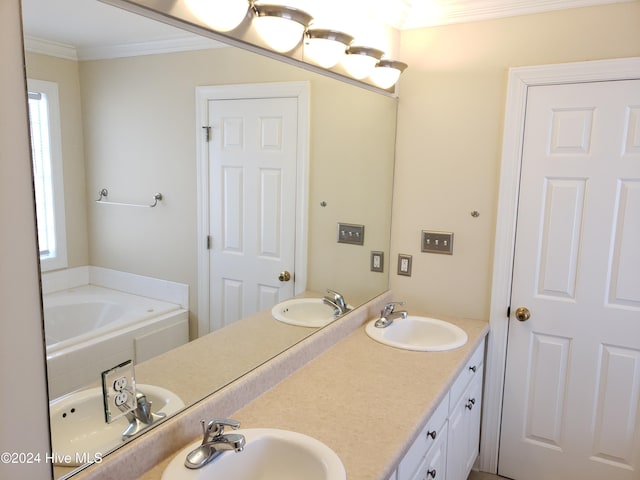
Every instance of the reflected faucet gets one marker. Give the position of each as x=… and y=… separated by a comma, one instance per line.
x=141, y=417
x=388, y=314
x=337, y=301
x=214, y=442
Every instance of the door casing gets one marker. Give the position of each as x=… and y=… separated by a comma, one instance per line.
x=520, y=79
x=300, y=90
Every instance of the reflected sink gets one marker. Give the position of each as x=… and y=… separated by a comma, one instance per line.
x=422, y=334
x=78, y=430
x=304, y=312
x=269, y=454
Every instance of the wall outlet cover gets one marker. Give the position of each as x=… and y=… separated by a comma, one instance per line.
x=404, y=265
x=119, y=391
x=377, y=261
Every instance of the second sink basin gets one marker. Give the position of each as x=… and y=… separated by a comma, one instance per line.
x=79, y=433
x=423, y=334
x=304, y=312
x=269, y=454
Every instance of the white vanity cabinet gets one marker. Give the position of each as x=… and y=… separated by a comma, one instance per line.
x=448, y=445
x=432, y=436
x=464, y=427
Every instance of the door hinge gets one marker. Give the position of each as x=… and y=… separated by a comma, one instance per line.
x=209, y=242
x=509, y=311
x=207, y=134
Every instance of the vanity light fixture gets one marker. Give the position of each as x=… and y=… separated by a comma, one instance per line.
x=387, y=72
x=359, y=62
x=221, y=15
x=282, y=27
x=326, y=47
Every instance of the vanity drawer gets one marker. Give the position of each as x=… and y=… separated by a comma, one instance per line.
x=434, y=428
x=471, y=369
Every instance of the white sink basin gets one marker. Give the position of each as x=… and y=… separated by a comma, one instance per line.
x=269, y=454
x=304, y=312
x=79, y=432
x=422, y=334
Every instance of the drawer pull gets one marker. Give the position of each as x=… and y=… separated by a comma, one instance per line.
x=473, y=368
x=431, y=473
x=470, y=403
x=432, y=434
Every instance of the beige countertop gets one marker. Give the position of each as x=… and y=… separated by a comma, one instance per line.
x=365, y=400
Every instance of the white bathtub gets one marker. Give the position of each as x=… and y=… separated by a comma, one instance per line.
x=90, y=329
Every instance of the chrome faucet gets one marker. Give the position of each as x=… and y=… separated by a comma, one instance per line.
x=141, y=417
x=388, y=314
x=337, y=301
x=214, y=442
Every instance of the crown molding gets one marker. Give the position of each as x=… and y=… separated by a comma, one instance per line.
x=154, y=47
x=49, y=47
x=462, y=11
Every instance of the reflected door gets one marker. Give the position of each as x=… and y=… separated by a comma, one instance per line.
x=572, y=387
x=252, y=154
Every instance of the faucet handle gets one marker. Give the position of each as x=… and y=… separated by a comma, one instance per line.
x=390, y=308
x=337, y=298
x=215, y=428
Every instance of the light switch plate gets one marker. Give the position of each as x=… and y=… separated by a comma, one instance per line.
x=436, y=242
x=404, y=265
x=351, y=233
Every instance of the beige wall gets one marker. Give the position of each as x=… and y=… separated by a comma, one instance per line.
x=22, y=373
x=450, y=123
x=65, y=74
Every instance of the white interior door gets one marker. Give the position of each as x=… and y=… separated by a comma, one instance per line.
x=252, y=152
x=572, y=387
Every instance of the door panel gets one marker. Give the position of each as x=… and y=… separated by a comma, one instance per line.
x=571, y=398
x=253, y=156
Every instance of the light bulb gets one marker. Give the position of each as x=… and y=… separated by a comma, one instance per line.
x=281, y=27
x=326, y=47
x=221, y=15
x=360, y=61
x=387, y=73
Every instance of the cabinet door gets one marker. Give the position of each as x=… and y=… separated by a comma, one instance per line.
x=426, y=439
x=434, y=465
x=464, y=431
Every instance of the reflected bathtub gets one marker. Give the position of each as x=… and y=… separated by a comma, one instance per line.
x=90, y=329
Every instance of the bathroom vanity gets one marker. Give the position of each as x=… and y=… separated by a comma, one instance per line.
x=374, y=405
x=448, y=444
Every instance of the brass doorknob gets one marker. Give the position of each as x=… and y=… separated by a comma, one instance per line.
x=284, y=276
x=523, y=314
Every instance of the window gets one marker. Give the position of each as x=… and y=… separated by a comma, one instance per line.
x=44, y=122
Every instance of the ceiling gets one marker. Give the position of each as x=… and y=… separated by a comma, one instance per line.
x=50, y=19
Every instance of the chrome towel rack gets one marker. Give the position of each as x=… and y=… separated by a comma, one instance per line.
x=104, y=193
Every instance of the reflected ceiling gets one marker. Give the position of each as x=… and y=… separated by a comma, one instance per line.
x=89, y=41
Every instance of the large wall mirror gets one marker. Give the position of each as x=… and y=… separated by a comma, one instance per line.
x=127, y=102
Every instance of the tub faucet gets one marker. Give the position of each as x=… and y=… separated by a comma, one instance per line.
x=214, y=442
x=337, y=301
x=388, y=314
x=141, y=417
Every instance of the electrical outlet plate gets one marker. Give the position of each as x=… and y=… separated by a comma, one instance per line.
x=437, y=242
x=377, y=261
x=119, y=391
x=351, y=233
x=404, y=265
